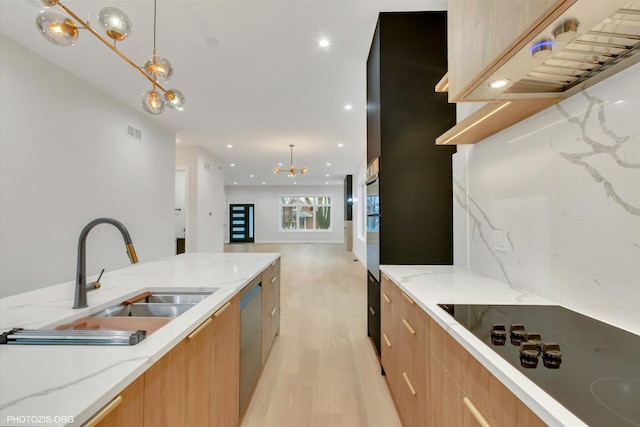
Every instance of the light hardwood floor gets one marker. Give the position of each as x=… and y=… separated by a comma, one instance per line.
x=322, y=370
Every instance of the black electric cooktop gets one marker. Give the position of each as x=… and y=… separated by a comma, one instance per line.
x=590, y=367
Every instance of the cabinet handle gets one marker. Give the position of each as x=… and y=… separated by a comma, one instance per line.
x=274, y=263
x=104, y=412
x=408, y=325
x=273, y=279
x=223, y=308
x=373, y=312
x=408, y=298
x=386, y=340
x=386, y=298
x=274, y=311
x=476, y=412
x=199, y=328
x=406, y=380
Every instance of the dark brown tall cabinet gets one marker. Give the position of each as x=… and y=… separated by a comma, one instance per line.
x=408, y=57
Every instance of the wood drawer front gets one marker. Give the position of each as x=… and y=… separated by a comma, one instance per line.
x=409, y=309
x=271, y=270
x=490, y=396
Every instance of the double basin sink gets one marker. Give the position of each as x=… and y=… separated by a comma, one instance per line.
x=155, y=304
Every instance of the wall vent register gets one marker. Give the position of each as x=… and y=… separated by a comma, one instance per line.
x=590, y=367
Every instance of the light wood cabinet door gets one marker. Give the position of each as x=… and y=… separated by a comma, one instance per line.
x=447, y=406
x=225, y=366
x=270, y=307
x=165, y=389
x=127, y=413
x=479, y=31
x=177, y=386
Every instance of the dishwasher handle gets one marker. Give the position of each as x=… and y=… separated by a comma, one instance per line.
x=245, y=300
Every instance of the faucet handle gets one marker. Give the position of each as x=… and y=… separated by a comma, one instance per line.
x=96, y=284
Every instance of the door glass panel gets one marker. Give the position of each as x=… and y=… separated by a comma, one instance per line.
x=251, y=222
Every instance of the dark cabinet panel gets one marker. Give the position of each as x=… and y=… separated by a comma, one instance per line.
x=348, y=198
x=405, y=115
x=373, y=98
x=373, y=311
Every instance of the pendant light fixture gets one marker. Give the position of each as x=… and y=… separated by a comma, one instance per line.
x=292, y=169
x=62, y=30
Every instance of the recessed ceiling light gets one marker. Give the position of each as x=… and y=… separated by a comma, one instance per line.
x=263, y=183
x=348, y=107
x=323, y=43
x=328, y=164
x=279, y=164
x=326, y=182
x=250, y=176
x=295, y=182
x=235, y=183
x=232, y=164
x=340, y=145
x=496, y=84
x=229, y=146
x=327, y=175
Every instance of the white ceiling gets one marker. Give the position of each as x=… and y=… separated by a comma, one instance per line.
x=266, y=85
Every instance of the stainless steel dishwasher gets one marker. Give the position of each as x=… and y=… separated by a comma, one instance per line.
x=250, y=339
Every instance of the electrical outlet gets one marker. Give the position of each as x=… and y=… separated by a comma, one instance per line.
x=501, y=240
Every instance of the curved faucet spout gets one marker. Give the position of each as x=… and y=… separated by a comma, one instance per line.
x=80, y=299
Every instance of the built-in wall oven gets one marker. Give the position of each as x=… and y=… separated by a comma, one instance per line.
x=373, y=255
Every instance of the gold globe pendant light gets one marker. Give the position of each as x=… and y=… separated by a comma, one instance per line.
x=63, y=29
x=292, y=168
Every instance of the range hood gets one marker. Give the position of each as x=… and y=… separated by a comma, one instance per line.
x=581, y=43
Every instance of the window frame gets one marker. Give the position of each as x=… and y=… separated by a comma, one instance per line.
x=299, y=206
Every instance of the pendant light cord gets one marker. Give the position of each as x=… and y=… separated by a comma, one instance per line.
x=154, y=26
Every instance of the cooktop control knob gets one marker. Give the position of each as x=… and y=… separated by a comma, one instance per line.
x=551, y=350
x=536, y=338
x=529, y=350
x=498, y=334
x=517, y=333
x=551, y=355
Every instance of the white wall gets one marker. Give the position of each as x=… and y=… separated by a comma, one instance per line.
x=206, y=209
x=564, y=187
x=267, y=211
x=64, y=161
x=359, y=211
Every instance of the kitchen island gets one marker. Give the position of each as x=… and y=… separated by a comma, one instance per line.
x=471, y=365
x=67, y=385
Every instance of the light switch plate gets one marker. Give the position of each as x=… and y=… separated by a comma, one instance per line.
x=501, y=241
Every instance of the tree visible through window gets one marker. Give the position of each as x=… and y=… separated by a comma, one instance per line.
x=305, y=213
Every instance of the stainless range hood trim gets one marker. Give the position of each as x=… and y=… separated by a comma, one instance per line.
x=517, y=66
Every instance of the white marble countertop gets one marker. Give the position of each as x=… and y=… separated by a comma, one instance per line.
x=433, y=285
x=76, y=381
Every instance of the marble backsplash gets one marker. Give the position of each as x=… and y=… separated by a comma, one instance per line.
x=552, y=204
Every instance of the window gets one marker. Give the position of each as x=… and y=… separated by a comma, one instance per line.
x=305, y=213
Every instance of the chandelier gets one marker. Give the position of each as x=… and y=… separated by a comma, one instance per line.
x=292, y=169
x=63, y=29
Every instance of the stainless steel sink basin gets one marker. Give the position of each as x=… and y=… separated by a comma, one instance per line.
x=177, y=297
x=145, y=310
